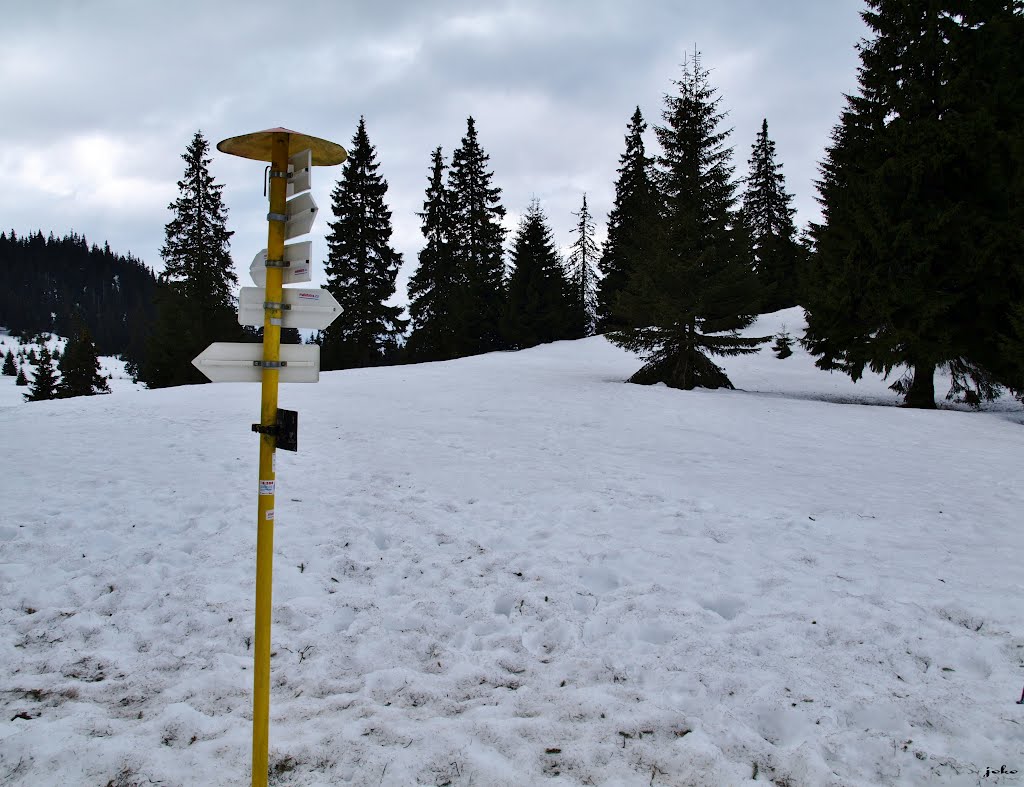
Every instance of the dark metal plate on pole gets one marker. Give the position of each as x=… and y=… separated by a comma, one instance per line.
x=259, y=144
x=288, y=430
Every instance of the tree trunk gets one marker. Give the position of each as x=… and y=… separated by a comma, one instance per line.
x=921, y=393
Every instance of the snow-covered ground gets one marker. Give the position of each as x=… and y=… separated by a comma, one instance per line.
x=10, y=393
x=515, y=569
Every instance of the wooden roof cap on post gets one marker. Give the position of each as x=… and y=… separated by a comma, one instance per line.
x=258, y=146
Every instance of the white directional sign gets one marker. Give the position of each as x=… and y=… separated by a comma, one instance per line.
x=240, y=362
x=300, y=266
x=299, y=166
x=301, y=212
x=303, y=308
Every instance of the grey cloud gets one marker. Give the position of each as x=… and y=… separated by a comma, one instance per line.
x=551, y=85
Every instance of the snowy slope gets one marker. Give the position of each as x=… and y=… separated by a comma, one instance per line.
x=10, y=394
x=514, y=569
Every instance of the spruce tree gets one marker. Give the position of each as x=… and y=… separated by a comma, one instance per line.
x=9, y=369
x=80, y=368
x=476, y=246
x=361, y=264
x=20, y=379
x=539, y=297
x=768, y=213
x=583, y=256
x=196, y=300
x=918, y=261
x=435, y=287
x=783, y=346
x=44, y=378
x=631, y=223
x=698, y=288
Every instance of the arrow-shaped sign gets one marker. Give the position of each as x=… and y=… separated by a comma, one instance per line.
x=301, y=212
x=302, y=308
x=297, y=255
x=241, y=362
x=299, y=166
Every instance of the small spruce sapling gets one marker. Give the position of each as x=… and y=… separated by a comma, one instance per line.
x=21, y=379
x=783, y=347
x=9, y=369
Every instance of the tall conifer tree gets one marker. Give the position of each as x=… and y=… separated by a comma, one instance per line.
x=918, y=259
x=434, y=287
x=698, y=288
x=80, y=368
x=44, y=378
x=539, y=296
x=583, y=256
x=361, y=264
x=768, y=213
x=631, y=239
x=196, y=298
x=476, y=242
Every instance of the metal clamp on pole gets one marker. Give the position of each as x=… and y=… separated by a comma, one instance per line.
x=277, y=264
x=275, y=305
x=271, y=364
x=276, y=173
x=277, y=217
x=285, y=430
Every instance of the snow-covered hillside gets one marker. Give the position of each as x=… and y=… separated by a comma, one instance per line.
x=112, y=368
x=515, y=569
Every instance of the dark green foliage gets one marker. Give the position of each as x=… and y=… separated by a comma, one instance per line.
x=361, y=264
x=783, y=347
x=476, y=238
x=9, y=369
x=21, y=379
x=44, y=378
x=434, y=289
x=197, y=263
x=80, y=368
x=697, y=288
x=768, y=214
x=195, y=299
x=539, y=300
x=52, y=282
x=631, y=237
x=174, y=340
x=919, y=258
x=583, y=256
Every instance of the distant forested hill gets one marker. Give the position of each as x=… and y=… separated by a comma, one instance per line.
x=49, y=283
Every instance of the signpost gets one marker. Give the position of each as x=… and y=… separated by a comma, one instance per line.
x=291, y=155
x=242, y=362
x=300, y=308
x=298, y=268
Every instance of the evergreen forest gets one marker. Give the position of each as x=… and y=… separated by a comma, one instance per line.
x=916, y=264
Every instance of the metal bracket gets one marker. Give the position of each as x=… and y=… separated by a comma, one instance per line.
x=270, y=364
x=267, y=305
x=278, y=263
x=285, y=430
x=277, y=217
x=276, y=173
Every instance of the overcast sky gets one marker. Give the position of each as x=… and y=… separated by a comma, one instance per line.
x=99, y=99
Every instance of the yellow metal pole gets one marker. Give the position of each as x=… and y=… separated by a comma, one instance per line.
x=265, y=509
